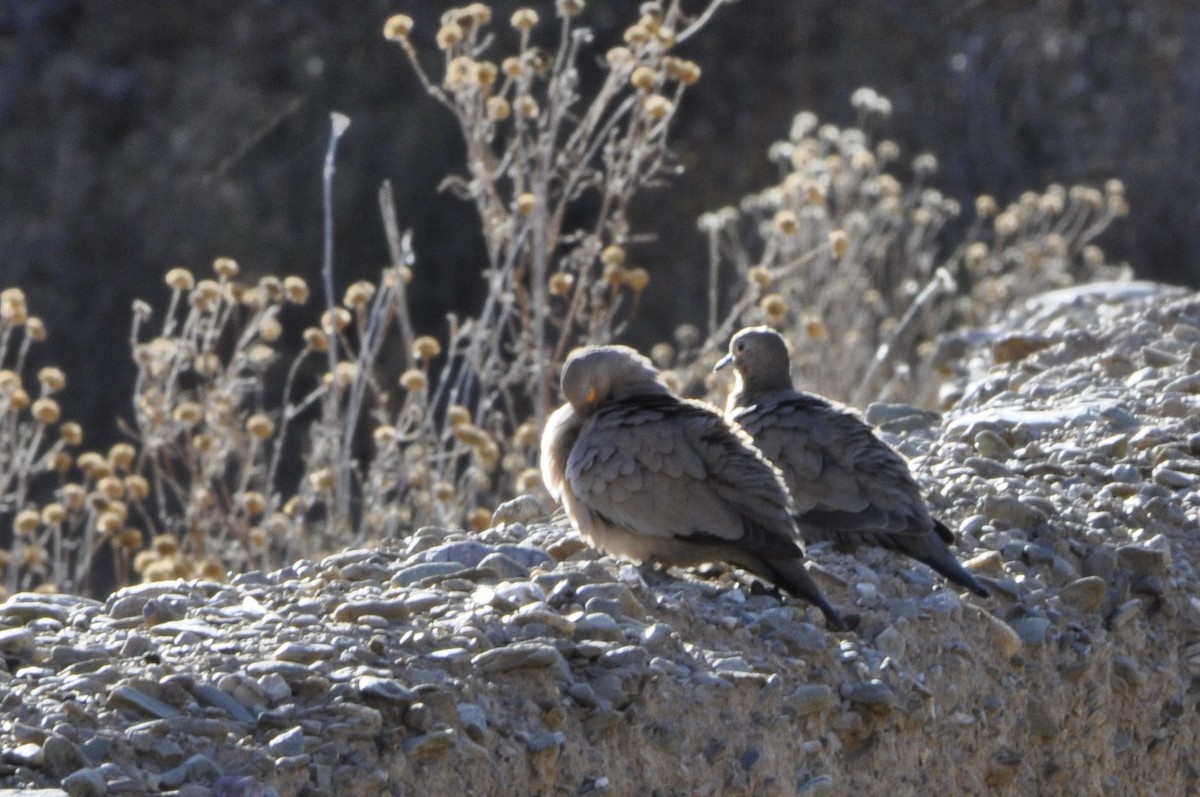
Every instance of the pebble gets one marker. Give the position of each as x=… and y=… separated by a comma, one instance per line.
x=518, y=656
x=1032, y=630
x=1084, y=594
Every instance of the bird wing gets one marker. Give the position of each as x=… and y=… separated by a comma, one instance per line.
x=661, y=467
x=559, y=436
x=842, y=477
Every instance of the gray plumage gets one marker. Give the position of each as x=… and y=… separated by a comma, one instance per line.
x=847, y=485
x=650, y=477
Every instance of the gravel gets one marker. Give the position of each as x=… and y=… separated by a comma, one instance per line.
x=519, y=660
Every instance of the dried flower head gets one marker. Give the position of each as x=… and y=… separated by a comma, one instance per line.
x=637, y=279
x=658, y=106
x=479, y=519
x=180, y=279
x=498, y=109
x=774, y=306
x=569, y=8
x=296, y=289
x=414, y=380
x=425, y=348
x=786, y=223
x=384, y=434
x=137, y=485
x=526, y=202
x=643, y=78
x=359, y=294
x=122, y=455
x=226, y=267
x=52, y=379
x=26, y=522
x=839, y=243
x=449, y=35
x=527, y=107
x=457, y=415
x=71, y=433
x=46, y=410
x=397, y=27
x=321, y=480
x=53, y=513
x=560, y=283
x=523, y=19
x=335, y=320
x=315, y=339
x=269, y=329
x=35, y=328
x=260, y=426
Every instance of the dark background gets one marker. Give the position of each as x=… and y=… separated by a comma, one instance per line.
x=135, y=136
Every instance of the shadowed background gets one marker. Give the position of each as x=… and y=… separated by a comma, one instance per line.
x=138, y=136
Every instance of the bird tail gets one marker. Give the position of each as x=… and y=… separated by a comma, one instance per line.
x=790, y=575
x=931, y=551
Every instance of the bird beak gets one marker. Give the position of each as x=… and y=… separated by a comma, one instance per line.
x=724, y=361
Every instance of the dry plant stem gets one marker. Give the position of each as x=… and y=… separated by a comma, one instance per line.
x=941, y=283
x=400, y=248
x=340, y=515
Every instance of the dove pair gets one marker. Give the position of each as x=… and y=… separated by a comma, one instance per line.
x=650, y=477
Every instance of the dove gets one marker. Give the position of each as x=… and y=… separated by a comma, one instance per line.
x=847, y=485
x=652, y=478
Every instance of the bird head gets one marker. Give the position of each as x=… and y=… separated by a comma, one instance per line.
x=761, y=359
x=595, y=374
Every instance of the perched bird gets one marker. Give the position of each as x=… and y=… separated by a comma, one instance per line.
x=847, y=485
x=650, y=477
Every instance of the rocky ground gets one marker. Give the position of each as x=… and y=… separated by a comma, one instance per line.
x=519, y=662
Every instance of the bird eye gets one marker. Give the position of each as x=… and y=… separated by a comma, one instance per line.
x=740, y=346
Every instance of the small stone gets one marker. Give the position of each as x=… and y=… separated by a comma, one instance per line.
x=425, y=570
x=1128, y=671
x=1124, y=613
x=809, y=699
x=432, y=742
x=391, y=609
x=900, y=417
x=61, y=756
x=519, y=656
x=1003, y=635
x=874, y=695
x=540, y=742
x=1032, y=630
x=1015, y=347
x=1142, y=560
x=86, y=782
x=131, y=697
x=991, y=445
x=821, y=784
x=504, y=566
x=1084, y=594
x=1176, y=479
x=386, y=689
x=17, y=642
x=474, y=721
x=524, y=509
x=304, y=652
x=197, y=768
x=288, y=743
x=890, y=641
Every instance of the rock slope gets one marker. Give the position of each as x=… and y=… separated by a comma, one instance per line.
x=517, y=661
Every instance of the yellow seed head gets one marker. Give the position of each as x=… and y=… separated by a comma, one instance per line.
x=486, y=74
x=526, y=434
x=359, y=294
x=498, y=109
x=46, y=410
x=180, y=279
x=35, y=328
x=643, y=78
x=450, y=35
x=443, y=491
x=814, y=327
x=425, y=348
x=471, y=435
x=460, y=72
x=1007, y=224
x=93, y=464
x=613, y=255
x=637, y=279
x=258, y=538
x=985, y=206
x=165, y=545
x=109, y=523
x=458, y=415
x=397, y=27
x=26, y=522
x=619, y=57
x=321, y=480
x=296, y=289
x=975, y=255
x=9, y=380
x=137, y=486
x=414, y=380
x=384, y=434
x=121, y=455
x=512, y=66
x=529, y=480
x=73, y=495
x=658, y=106
x=345, y=372
x=316, y=339
x=260, y=425
x=19, y=399
x=760, y=277
x=478, y=13
x=569, y=8
x=207, y=364
x=488, y=453
x=53, y=513
x=479, y=519
x=130, y=539
x=560, y=283
x=188, y=413
x=614, y=275
x=786, y=222
x=524, y=19
x=52, y=379
x=62, y=461
x=774, y=306
x=71, y=433
x=335, y=320
x=527, y=107
x=203, y=442
x=637, y=34
x=111, y=488
x=1093, y=255
x=269, y=329
x=839, y=244
x=253, y=502
x=526, y=202
x=226, y=267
